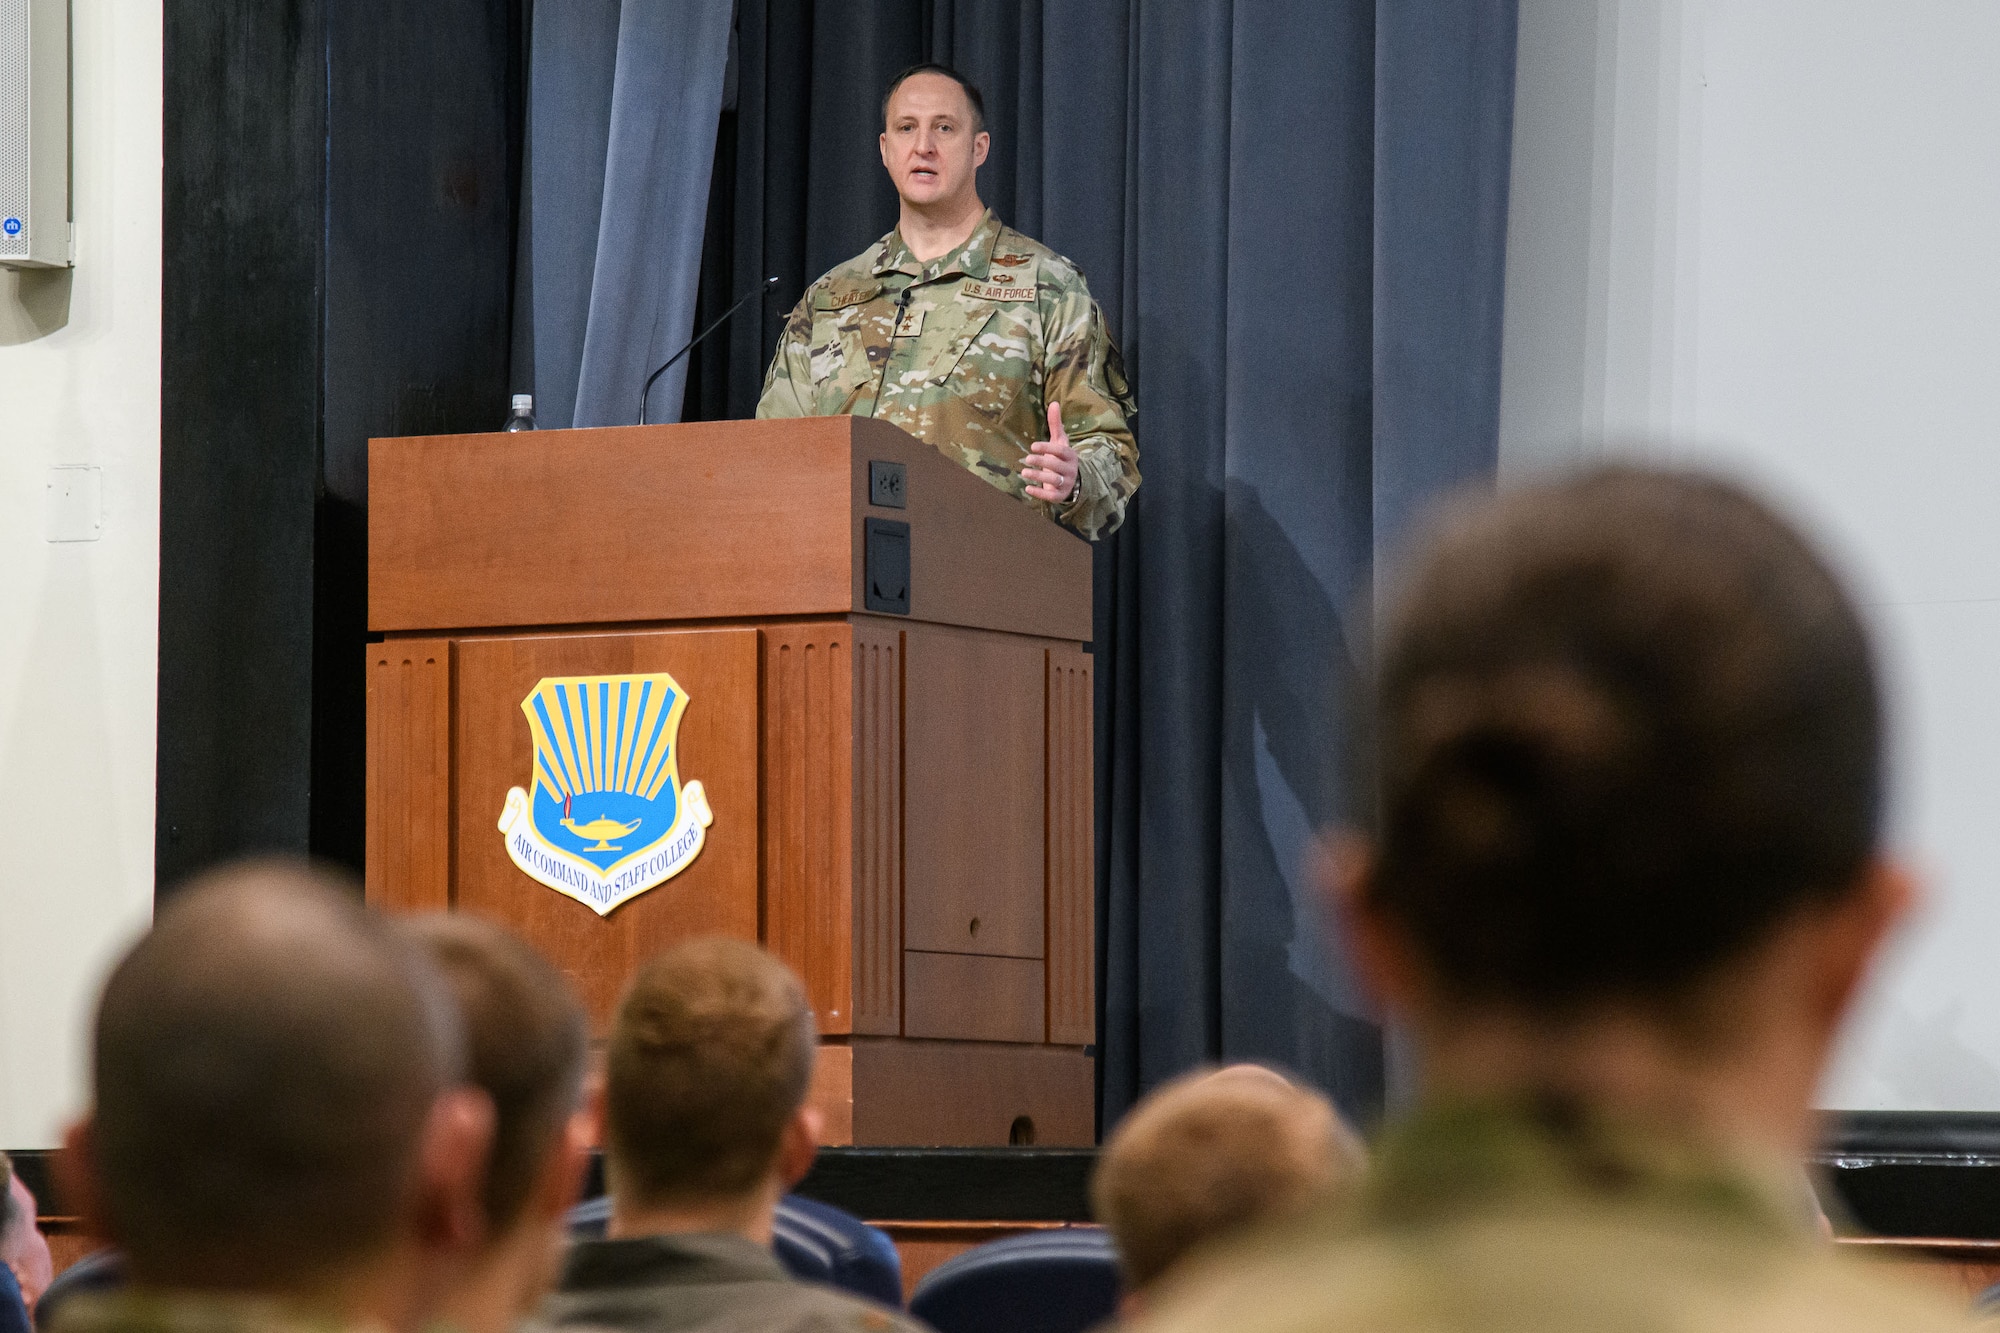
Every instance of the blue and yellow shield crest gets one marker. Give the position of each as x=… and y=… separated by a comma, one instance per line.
x=607, y=816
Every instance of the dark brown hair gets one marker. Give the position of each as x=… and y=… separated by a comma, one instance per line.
x=526, y=1040
x=1626, y=724
x=972, y=95
x=265, y=1061
x=710, y=1055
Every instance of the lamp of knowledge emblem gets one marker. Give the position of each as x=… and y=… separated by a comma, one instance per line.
x=608, y=817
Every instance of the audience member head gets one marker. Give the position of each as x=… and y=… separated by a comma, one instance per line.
x=23, y=1248
x=276, y=1108
x=526, y=1042
x=705, y=1117
x=1629, y=772
x=1210, y=1155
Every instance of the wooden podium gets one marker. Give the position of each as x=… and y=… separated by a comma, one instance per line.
x=888, y=709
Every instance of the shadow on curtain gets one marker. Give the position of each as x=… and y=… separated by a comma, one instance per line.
x=1293, y=214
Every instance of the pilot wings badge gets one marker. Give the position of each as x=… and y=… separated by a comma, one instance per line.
x=606, y=816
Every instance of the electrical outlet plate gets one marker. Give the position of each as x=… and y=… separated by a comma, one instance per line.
x=73, y=504
x=888, y=484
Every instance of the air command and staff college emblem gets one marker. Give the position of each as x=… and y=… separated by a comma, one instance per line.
x=609, y=816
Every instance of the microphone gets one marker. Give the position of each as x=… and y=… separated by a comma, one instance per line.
x=902, y=307
x=769, y=284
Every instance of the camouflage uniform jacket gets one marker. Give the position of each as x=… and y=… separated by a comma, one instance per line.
x=138, y=1311
x=965, y=353
x=1488, y=1218
x=697, y=1284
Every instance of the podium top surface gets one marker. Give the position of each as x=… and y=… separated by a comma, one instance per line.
x=702, y=521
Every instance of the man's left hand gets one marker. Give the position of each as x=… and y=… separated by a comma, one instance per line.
x=1051, y=465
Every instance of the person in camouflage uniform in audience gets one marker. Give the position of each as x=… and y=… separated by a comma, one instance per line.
x=277, y=1139
x=706, y=1125
x=1623, y=879
x=982, y=347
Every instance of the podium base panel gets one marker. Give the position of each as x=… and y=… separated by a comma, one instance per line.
x=893, y=1092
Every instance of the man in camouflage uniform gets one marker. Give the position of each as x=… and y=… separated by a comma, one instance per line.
x=277, y=1139
x=964, y=332
x=705, y=1127
x=1623, y=883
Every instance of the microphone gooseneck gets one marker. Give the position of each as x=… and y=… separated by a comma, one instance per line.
x=769, y=284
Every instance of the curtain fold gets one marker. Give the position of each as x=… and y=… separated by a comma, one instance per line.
x=622, y=112
x=1293, y=213
x=1444, y=128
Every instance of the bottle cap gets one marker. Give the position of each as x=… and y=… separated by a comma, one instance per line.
x=524, y=401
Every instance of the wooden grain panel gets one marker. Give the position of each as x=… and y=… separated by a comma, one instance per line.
x=1072, y=858
x=699, y=521
x=717, y=894
x=407, y=866
x=703, y=520
x=972, y=997
x=832, y=1094
x=878, y=826
x=808, y=825
x=68, y=1242
x=969, y=1094
x=1031, y=575
x=972, y=797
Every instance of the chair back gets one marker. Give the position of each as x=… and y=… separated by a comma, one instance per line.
x=98, y=1271
x=13, y=1310
x=1056, y=1281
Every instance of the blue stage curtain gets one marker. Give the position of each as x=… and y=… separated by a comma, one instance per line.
x=1293, y=214
x=622, y=107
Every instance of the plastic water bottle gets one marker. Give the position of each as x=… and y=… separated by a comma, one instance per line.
x=522, y=417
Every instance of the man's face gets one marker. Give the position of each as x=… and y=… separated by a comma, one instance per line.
x=929, y=146
x=23, y=1249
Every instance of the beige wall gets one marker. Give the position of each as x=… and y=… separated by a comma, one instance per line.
x=1761, y=236
x=80, y=385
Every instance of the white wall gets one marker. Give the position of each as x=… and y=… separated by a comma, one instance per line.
x=1768, y=231
x=80, y=385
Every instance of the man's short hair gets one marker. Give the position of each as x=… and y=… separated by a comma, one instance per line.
x=265, y=1061
x=1212, y=1153
x=526, y=1041
x=971, y=89
x=1628, y=723
x=711, y=1055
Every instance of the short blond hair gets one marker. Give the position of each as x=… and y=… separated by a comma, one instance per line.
x=1212, y=1153
x=711, y=1055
